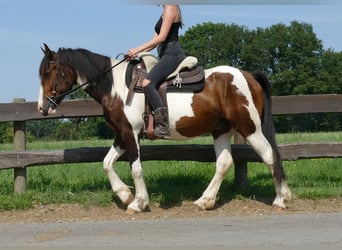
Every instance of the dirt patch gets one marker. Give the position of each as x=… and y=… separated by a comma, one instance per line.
x=74, y=212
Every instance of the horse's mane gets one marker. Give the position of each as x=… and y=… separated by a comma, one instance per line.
x=87, y=64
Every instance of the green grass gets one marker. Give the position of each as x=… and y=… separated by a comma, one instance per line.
x=169, y=183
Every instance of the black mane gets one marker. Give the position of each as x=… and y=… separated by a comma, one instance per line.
x=88, y=65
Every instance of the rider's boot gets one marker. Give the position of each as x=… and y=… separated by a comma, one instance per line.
x=161, y=122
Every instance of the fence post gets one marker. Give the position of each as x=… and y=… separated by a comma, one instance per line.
x=19, y=142
x=241, y=172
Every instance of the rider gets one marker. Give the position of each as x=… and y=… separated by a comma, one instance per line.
x=170, y=55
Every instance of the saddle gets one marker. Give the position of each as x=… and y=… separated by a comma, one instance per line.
x=188, y=77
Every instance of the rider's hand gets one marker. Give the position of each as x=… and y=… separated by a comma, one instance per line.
x=132, y=53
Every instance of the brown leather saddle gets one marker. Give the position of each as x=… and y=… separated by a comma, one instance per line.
x=188, y=77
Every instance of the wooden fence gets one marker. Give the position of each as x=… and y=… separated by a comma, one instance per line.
x=20, y=111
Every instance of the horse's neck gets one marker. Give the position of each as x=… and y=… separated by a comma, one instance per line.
x=91, y=91
x=113, y=84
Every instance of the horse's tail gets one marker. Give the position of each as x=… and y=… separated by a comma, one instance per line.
x=267, y=120
x=268, y=127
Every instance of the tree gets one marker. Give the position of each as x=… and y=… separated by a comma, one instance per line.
x=292, y=56
x=330, y=72
x=214, y=44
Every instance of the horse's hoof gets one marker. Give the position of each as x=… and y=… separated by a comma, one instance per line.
x=199, y=204
x=138, y=205
x=131, y=211
x=205, y=204
x=279, y=203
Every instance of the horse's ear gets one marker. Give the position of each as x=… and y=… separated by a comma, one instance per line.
x=46, y=50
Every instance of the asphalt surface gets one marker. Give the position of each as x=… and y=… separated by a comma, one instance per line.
x=297, y=230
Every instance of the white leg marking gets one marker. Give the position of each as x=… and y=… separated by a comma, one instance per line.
x=283, y=194
x=141, y=201
x=118, y=186
x=223, y=162
x=265, y=151
x=262, y=147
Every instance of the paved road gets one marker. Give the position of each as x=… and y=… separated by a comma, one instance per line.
x=299, y=230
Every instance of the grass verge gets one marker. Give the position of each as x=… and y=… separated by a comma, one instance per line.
x=169, y=183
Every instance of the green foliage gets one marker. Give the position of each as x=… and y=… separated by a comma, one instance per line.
x=6, y=132
x=70, y=129
x=292, y=56
x=214, y=44
x=169, y=183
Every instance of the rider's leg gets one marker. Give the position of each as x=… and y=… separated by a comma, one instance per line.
x=161, y=116
x=170, y=58
x=152, y=94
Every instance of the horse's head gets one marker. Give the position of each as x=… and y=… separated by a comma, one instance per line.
x=57, y=78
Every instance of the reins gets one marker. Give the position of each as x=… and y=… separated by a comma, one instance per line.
x=53, y=99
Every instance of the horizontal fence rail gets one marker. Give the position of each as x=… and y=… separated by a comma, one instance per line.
x=20, y=111
x=282, y=105
x=187, y=152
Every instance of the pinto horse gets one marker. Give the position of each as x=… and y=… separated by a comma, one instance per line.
x=232, y=100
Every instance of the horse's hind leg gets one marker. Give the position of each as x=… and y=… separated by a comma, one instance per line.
x=272, y=159
x=118, y=186
x=223, y=162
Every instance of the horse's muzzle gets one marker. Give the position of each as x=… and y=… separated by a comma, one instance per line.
x=48, y=109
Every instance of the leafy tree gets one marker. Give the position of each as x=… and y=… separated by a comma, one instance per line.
x=214, y=44
x=292, y=56
x=330, y=72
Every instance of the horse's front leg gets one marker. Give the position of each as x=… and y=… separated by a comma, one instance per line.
x=118, y=186
x=141, y=201
x=129, y=140
x=223, y=162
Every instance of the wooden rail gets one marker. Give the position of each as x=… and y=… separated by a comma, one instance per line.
x=20, y=111
x=282, y=105
x=186, y=152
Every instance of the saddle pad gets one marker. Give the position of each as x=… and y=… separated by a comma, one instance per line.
x=188, y=63
x=192, y=81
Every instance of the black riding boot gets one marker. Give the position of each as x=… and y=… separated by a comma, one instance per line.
x=161, y=122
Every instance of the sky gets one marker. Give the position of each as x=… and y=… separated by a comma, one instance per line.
x=109, y=28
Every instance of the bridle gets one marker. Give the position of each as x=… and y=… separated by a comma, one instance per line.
x=53, y=99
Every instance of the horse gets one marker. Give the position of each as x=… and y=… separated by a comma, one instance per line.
x=232, y=100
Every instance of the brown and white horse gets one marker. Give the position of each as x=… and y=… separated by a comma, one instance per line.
x=232, y=100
